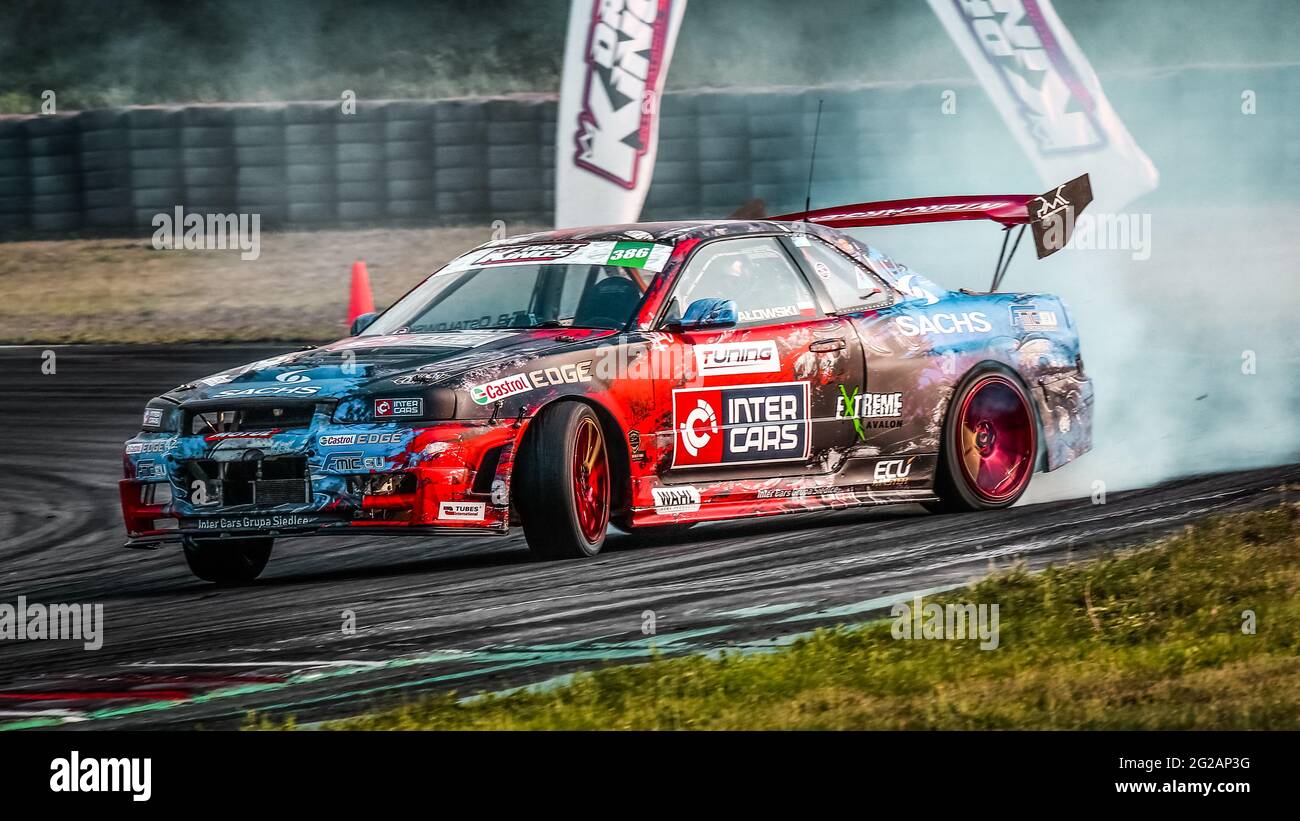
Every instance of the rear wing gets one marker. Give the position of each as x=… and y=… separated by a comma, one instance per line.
x=1051, y=215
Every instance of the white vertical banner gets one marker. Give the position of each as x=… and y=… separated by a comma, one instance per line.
x=616, y=58
x=1048, y=95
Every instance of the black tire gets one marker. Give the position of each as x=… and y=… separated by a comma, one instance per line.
x=956, y=491
x=545, y=488
x=227, y=561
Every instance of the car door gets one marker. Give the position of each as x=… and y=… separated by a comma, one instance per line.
x=757, y=397
x=891, y=409
x=877, y=405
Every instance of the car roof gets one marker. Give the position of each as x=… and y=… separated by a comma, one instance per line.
x=670, y=232
x=682, y=230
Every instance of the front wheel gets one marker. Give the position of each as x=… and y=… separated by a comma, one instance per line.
x=990, y=444
x=562, y=485
x=228, y=561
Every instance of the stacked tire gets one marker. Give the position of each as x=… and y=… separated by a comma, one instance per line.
x=15, y=182
x=515, y=160
x=105, y=169
x=676, y=190
x=260, y=176
x=840, y=163
x=154, y=157
x=309, y=163
x=721, y=153
x=360, y=188
x=778, y=168
x=460, y=153
x=408, y=160
x=54, y=168
x=208, y=160
x=549, y=113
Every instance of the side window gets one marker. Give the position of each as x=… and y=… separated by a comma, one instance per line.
x=848, y=284
x=755, y=273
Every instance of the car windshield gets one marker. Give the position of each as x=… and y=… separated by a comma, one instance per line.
x=517, y=296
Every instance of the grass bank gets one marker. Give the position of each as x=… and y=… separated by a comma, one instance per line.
x=1144, y=639
x=123, y=290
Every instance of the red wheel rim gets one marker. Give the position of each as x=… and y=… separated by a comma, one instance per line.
x=996, y=439
x=590, y=480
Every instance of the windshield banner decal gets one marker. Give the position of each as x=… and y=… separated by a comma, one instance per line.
x=624, y=254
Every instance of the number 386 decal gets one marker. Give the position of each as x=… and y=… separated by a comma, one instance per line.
x=631, y=254
x=753, y=423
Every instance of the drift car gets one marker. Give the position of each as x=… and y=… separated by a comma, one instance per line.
x=650, y=376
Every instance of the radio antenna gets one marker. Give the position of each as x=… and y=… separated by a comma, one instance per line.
x=812, y=162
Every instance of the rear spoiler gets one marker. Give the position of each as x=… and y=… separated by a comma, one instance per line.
x=1051, y=215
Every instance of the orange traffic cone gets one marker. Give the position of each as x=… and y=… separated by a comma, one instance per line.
x=361, y=301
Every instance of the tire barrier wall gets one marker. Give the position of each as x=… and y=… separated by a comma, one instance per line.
x=477, y=160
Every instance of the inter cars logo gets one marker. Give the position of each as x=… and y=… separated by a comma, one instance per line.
x=744, y=424
x=404, y=406
x=700, y=426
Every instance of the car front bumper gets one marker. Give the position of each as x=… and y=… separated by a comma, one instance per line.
x=446, y=477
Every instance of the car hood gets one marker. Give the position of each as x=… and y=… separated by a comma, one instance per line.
x=358, y=363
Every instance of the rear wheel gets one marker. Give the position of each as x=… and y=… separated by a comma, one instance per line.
x=228, y=561
x=990, y=444
x=563, y=483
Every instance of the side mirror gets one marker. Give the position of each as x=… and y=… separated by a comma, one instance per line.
x=362, y=322
x=711, y=312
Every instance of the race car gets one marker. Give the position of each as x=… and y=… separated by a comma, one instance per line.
x=649, y=376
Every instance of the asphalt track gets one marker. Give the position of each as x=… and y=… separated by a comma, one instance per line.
x=465, y=614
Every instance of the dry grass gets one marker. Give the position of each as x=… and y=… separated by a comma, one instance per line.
x=122, y=290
